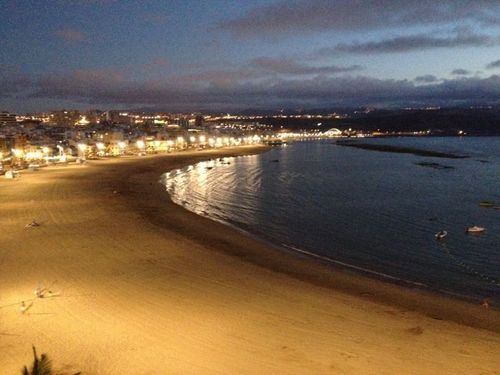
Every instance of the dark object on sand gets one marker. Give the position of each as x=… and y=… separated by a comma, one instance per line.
x=41, y=365
x=32, y=224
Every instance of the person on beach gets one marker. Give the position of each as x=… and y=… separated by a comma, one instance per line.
x=23, y=307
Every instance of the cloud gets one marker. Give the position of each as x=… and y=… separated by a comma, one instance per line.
x=460, y=72
x=70, y=35
x=286, y=66
x=417, y=42
x=80, y=84
x=285, y=17
x=428, y=78
x=295, y=84
x=262, y=68
x=493, y=65
x=113, y=89
x=13, y=82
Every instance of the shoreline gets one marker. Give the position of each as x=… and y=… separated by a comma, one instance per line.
x=141, y=275
x=346, y=267
x=387, y=289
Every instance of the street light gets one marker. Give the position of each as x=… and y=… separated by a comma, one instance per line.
x=100, y=148
x=122, y=145
x=82, y=147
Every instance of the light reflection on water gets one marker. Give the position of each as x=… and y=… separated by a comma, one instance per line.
x=374, y=210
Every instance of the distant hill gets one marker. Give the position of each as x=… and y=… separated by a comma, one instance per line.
x=439, y=121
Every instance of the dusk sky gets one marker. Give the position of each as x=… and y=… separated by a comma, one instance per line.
x=234, y=55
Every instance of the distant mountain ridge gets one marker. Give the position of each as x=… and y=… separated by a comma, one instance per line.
x=438, y=121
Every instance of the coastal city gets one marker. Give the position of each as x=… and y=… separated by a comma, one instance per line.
x=250, y=187
x=35, y=140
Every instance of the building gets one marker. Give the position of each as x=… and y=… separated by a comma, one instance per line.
x=7, y=119
x=117, y=117
x=64, y=118
x=198, y=121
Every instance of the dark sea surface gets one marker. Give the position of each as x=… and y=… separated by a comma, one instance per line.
x=375, y=212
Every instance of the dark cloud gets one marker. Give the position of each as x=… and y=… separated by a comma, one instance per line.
x=262, y=68
x=493, y=65
x=12, y=81
x=302, y=16
x=460, y=72
x=428, y=78
x=79, y=85
x=70, y=35
x=112, y=89
x=286, y=66
x=419, y=42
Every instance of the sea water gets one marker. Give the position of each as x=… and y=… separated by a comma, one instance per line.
x=375, y=212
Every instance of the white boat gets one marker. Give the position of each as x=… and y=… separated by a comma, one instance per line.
x=475, y=229
x=440, y=235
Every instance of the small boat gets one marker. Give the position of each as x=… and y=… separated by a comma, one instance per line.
x=487, y=204
x=440, y=235
x=475, y=229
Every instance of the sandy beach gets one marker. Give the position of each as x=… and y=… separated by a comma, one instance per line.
x=141, y=286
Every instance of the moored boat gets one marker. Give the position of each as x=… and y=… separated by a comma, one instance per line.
x=475, y=229
x=487, y=204
x=440, y=235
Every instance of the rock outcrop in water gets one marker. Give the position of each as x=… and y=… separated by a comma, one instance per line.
x=400, y=150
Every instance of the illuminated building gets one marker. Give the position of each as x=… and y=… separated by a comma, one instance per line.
x=64, y=118
x=7, y=119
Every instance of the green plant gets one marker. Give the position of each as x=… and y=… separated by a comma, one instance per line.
x=41, y=366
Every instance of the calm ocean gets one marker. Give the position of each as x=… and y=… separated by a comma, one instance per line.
x=374, y=211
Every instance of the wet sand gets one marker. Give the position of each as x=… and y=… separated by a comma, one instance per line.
x=142, y=286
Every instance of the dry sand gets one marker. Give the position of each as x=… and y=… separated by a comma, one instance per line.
x=149, y=288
